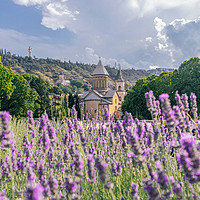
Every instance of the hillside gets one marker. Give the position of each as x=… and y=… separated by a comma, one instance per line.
x=50, y=69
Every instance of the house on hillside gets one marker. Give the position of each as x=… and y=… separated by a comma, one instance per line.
x=62, y=80
x=100, y=95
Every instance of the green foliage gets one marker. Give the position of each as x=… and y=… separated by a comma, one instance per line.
x=76, y=82
x=185, y=79
x=6, y=84
x=22, y=99
x=42, y=87
x=66, y=88
x=62, y=111
x=71, y=100
x=77, y=105
x=55, y=90
x=86, y=87
x=135, y=101
x=16, y=95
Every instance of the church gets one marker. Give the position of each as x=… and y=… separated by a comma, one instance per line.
x=100, y=95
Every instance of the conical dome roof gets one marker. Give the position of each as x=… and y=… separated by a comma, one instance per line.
x=100, y=69
x=119, y=74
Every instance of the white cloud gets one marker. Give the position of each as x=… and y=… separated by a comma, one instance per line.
x=56, y=14
x=91, y=57
x=153, y=67
x=134, y=33
x=145, y=7
x=179, y=39
x=159, y=26
x=148, y=39
x=30, y=2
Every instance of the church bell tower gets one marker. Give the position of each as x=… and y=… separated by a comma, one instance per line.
x=100, y=78
x=120, y=84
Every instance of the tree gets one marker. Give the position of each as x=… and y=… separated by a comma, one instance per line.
x=135, y=101
x=6, y=84
x=65, y=88
x=186, y=79
x=77, y=106
x=76, y=82
x=22, y=99
x=86, y=87
x=71, y=100
x=63, y=108
x=55, y=90
x=42, y=87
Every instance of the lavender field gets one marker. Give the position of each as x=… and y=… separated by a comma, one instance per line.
x=103, y=158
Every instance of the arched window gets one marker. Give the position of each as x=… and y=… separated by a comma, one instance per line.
x=119, y=88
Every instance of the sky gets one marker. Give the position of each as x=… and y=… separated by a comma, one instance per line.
x=139, y=34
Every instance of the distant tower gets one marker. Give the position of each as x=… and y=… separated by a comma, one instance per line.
x=30, y=52
x=120, y=84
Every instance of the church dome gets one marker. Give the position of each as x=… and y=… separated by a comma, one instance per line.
x=100, y=69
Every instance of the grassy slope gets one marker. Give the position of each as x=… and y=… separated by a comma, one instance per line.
x=50, y=69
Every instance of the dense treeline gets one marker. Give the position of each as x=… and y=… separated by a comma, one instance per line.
x=185, y=79
x=20, y=93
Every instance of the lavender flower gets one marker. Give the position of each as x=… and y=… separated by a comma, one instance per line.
x=31, y=123
x=91, y=170
x=179, y=117
x=128, y=120
x=189, y=159
x=7, y=136
x=176, y=188
x=34, y=191
x=116, y=168
x=152, y=191
x=106, y=114
x=53, y=184
x=82, y=136
x=3, y=195
x=78, y=163
x=179, y=101
x=135, y=144
x=152, y=104
x=134, y=191
x=70, y=185
x=102, y=168
x=184, y=99
x=31, y=175
x=162, y=179
x=168, y=113
x=193, y=104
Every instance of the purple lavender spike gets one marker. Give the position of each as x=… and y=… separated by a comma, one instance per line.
x=7, y=136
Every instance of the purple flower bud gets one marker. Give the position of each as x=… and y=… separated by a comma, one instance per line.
x=176, y=188
x=34, y=191
x=70, y=185
x=102, y=168
x=91, y=170
x=134, y=191
x=7, y=136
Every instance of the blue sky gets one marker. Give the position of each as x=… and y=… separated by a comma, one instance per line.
x=142, y=34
